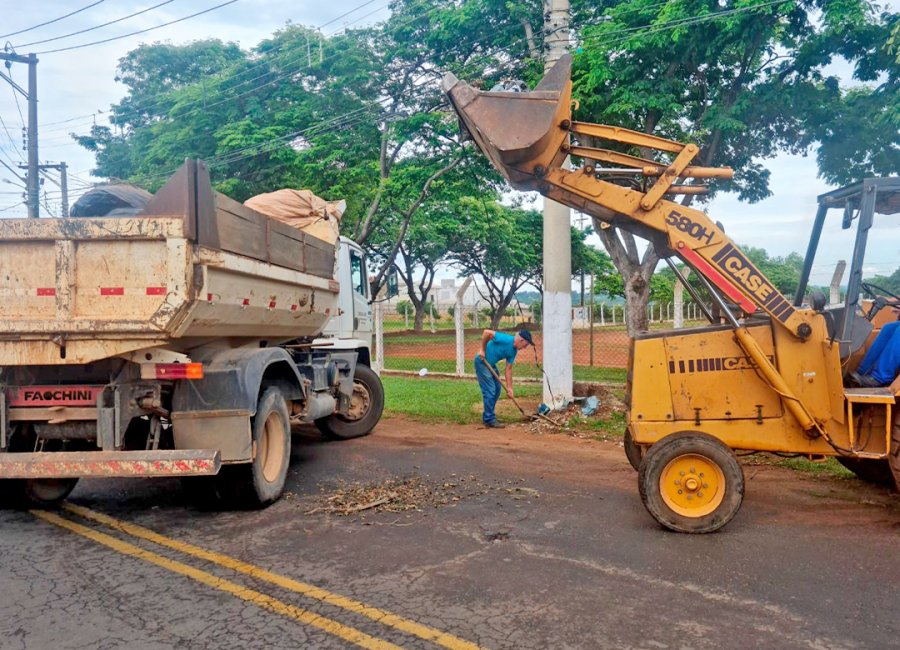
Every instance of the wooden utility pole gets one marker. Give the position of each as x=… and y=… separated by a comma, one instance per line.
x=32, y=182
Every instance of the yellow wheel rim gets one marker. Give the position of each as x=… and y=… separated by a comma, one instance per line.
x=692, y=485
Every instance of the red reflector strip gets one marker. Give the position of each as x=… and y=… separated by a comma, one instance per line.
x=272, y=304
x=293, y=307
x=209, y=297
x=177, y=462
x=46, y=291
x=156, y=291
x=112, y=291
x=179, y=370
x=246, y=302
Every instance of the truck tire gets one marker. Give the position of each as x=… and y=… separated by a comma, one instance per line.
x=259, y=483
x=366, y=408
x=691, y=482
x=35, y=492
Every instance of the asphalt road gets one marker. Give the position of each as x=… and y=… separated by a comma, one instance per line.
x=476, y=539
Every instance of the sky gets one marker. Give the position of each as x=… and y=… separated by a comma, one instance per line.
x=81, y=84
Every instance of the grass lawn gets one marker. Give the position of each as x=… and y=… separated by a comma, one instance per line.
x=581, y=373
x=447, y=400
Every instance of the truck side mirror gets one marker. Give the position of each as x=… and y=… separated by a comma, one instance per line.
x=393, y=284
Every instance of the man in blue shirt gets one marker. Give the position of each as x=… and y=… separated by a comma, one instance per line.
x=494, y=347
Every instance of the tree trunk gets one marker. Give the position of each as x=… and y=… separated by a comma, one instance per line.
x=495, y=320
x=419, y=322
x=637, y=295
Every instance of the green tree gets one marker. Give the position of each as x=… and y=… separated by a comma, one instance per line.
x=501, y=247
x=744, y=81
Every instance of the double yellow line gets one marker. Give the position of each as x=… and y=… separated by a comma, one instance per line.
x=260, y=599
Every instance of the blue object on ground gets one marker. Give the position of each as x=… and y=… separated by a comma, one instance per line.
x=591, y=404
x=543, y=409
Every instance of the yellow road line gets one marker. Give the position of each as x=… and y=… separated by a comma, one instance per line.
x=384, y=617
x=261, y=600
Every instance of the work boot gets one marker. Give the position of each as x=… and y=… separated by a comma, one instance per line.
x=864, y=381
x=496, y=424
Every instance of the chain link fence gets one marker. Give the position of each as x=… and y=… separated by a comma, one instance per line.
x=448, y=338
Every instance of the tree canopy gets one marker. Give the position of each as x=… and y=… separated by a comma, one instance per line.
x=359, y=115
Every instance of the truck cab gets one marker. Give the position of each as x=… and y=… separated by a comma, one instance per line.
x=354, y=314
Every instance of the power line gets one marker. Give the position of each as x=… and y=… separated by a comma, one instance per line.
x=90, y=29
x=11, y=140
x=262, y=64
x=231, y=157
x=141, y=31
x=55, y=20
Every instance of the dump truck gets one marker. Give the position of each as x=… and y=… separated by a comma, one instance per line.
x=183, y=340
x=768, y=373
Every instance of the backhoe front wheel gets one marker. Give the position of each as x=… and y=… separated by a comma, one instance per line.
x=691, y=482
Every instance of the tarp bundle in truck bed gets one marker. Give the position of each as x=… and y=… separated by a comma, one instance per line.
x=119, y=200
x=303, y=210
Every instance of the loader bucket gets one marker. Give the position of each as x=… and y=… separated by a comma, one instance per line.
x=521, y=133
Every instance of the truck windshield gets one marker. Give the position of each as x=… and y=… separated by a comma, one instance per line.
x=358, y=273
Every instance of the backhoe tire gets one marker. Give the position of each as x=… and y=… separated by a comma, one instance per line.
x=633, y=452
x=260, y=483
x=691, y=482
x=366, y=407
x=869, y=470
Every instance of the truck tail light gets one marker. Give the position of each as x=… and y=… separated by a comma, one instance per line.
x=178, y=370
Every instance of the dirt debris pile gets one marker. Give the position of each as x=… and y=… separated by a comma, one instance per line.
x=415, y=493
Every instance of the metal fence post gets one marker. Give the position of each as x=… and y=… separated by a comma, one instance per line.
x=591, y=321
x=378, y=313
x=406, y=316
x=460, y=318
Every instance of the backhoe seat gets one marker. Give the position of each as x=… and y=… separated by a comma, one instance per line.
x=859, y=330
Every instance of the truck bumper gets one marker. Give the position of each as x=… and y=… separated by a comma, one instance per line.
x=90, y=464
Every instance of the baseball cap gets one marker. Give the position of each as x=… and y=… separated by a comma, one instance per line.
x=526, y=336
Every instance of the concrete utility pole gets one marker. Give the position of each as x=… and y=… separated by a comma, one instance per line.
x=63, y=185
x=834, y=291
x=32, y=182
x=557, y=325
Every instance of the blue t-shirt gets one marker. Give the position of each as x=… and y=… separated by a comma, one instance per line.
x=501, y=347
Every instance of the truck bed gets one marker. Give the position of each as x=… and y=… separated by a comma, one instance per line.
x=194, y=268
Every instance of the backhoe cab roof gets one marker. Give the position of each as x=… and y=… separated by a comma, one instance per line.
x=886, y=190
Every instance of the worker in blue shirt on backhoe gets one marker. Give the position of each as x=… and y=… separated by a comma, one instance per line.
x=494, y=347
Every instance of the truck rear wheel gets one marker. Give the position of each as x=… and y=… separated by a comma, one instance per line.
x=366, y=407
x=35, y=492
x=690, y=482
x=259, y=483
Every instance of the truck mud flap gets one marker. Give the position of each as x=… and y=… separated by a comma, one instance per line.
x=99, y=464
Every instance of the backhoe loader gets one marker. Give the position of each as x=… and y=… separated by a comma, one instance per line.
x=767, y=373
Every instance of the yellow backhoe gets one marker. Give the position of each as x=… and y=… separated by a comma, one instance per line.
x=768, y=373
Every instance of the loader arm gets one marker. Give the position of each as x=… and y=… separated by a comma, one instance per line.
x=527, y=136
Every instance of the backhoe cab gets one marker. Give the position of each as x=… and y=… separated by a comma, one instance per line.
x=770, y=376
